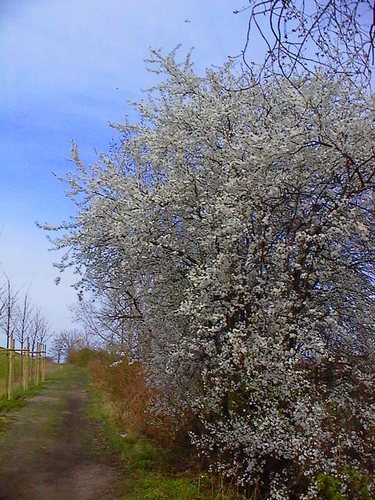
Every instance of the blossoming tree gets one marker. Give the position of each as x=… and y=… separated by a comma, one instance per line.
x=236, y=221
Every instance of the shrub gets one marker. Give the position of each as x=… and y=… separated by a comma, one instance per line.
x=82, y=357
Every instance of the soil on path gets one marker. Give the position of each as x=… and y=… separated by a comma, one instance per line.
x=54, y=451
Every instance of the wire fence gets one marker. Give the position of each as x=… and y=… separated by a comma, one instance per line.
x=22, y=368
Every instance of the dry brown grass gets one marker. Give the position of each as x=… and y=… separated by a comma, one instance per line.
x=129, y=398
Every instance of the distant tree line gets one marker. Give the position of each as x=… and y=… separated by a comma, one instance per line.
x=66, y=342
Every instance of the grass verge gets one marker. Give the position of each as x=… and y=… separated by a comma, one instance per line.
x=148, y=469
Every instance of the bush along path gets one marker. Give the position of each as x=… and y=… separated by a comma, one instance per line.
x=52, y=449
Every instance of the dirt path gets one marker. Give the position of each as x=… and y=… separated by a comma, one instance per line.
x=53, y=450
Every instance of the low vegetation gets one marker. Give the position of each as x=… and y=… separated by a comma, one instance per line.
x=160, y=463
x=156, y=464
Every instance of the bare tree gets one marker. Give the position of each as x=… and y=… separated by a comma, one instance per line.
x=2, y=300
x=8, y=309
x=18, y=317
x=88, y=314
x=67, y=341
x=39, y=330
x=24, y=323
x=299, y=34
x=112, y=317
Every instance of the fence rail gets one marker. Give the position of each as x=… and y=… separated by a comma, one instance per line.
x=22, y=368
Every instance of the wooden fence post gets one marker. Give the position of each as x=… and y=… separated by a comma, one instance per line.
x=32, y=365
x=25, y=366
x=10, y=369
x=43, y=354
x=36, y=361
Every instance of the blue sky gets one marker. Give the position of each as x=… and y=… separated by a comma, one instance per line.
x=68, y=68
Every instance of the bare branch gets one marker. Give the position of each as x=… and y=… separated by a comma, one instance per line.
x=337, y=35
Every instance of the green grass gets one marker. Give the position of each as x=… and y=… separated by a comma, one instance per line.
x=149, y=472
x=4, y=363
